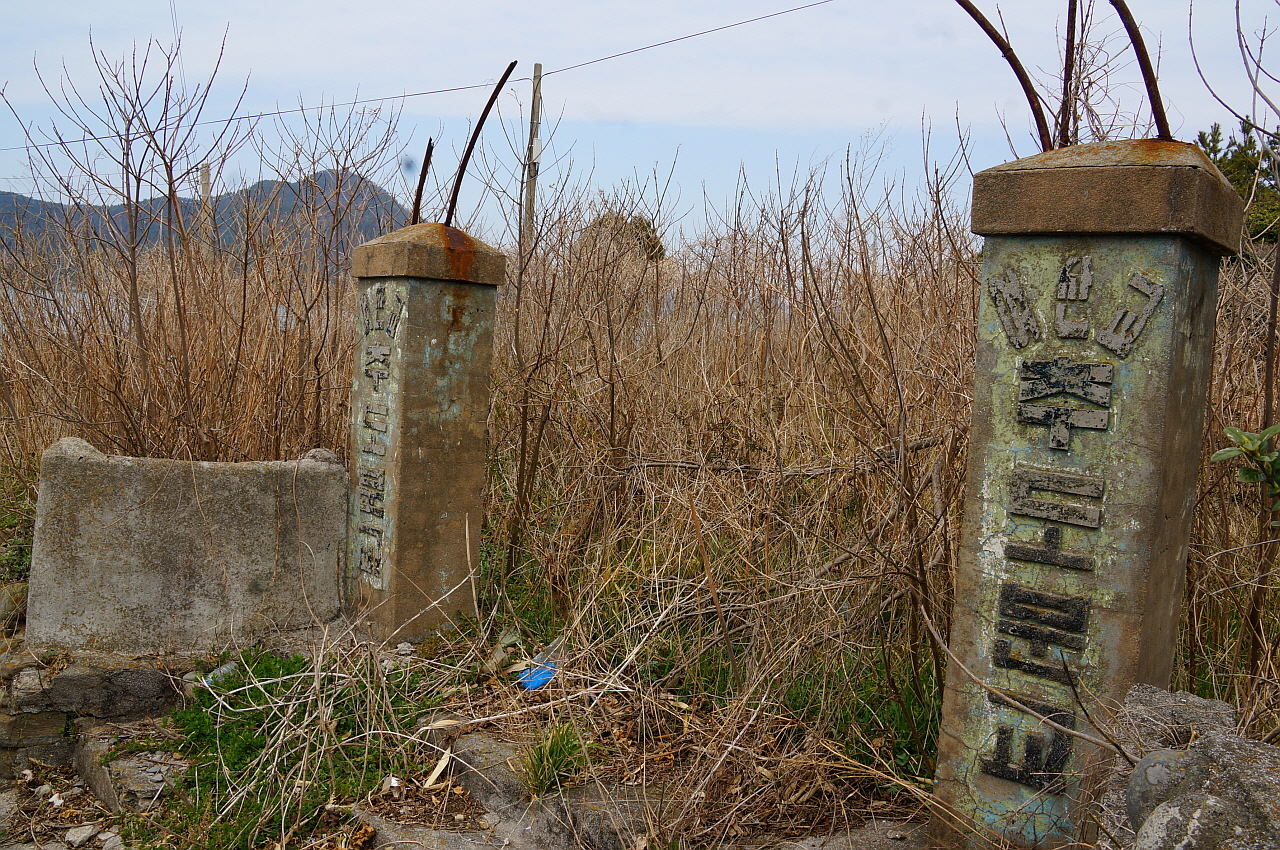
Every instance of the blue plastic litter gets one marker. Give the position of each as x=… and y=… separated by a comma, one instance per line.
x=217, y=674
x=542, y=667
x=537, y=674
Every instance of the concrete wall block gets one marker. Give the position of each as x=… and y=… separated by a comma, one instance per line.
x=141, y=555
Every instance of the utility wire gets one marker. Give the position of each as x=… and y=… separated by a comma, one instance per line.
x=686, y=37
x=363, y=101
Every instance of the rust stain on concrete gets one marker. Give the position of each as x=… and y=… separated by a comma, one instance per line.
x=460, y=249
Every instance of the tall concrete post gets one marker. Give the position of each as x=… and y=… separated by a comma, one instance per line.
x=419, y=401
x=1095, y=337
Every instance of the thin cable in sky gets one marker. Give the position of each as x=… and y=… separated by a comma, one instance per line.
x=363, y=101
x=686, y=37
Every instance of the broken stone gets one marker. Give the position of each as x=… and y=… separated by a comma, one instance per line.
x=1223, y=791
x=1195, y=822
x=78, y=836
x=127, y=783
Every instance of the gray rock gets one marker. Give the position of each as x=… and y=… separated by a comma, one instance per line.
x=96, y=685
x=1153, y=719
x=482, y=765
x=389, y=834
x=1160, y=776
x=1156, y=718
x=1222, y=791
x=1196, y=822
x=8, y=804
x=78, y=836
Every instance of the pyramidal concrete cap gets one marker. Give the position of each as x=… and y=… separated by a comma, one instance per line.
x=1128, y=187
x=433, y=251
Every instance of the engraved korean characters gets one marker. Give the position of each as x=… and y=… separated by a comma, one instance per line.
x=1069, y=353
x=381, y=311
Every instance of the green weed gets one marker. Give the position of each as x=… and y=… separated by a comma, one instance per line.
x=282, y=737
x=554, y=761
x=17, y=517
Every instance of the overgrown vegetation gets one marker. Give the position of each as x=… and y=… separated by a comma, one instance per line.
x=285, y=746
x=726, y=469
x=554, y=761
x=1250, y=170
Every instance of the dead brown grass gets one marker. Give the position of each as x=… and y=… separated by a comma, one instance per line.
x=728, y=476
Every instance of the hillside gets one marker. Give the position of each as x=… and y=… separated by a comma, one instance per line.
x=326, y=202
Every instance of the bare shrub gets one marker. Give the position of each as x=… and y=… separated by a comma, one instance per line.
x=733, y=473
x=155, y=325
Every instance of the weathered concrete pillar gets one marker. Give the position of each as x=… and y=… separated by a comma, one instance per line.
x=419, y=401
x=1095, y=336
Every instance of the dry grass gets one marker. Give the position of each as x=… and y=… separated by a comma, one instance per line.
x=733, y=474
x=729, y=477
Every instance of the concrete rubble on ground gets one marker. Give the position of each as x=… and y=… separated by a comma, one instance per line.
x=600, y=817
x=1198, y=784
x=96, y=695
x=134, y=782
x=39, y=703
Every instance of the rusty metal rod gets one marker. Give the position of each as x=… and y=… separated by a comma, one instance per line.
x=1148, y=72
x=416, y=216
x=471, y=145
x=1028, y=87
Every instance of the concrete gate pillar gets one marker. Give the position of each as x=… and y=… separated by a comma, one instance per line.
x=419, y=402
x=1095, y=336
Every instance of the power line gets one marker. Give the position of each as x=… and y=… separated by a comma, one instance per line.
x=364, y=101
x=687, y=37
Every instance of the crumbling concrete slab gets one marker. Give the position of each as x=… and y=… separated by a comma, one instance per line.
x=593, y=815
x=134, y=781
x=145, y=555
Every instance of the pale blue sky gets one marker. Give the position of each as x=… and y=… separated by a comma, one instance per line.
x=790, y=90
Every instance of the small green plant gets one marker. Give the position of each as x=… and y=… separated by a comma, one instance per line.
x=17, y=515
x=554, y=761
x=277, y=739
x=1263, y=461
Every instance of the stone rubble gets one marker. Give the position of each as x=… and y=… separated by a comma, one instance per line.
x=1198, y=785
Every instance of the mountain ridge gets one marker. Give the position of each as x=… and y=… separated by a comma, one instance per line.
x=353, y=205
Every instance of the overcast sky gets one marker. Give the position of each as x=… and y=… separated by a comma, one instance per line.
x=792, y=90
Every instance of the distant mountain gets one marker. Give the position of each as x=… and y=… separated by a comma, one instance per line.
x=327, y=204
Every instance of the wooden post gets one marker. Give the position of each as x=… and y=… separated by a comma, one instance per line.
x=206, y=210
x=533, y=157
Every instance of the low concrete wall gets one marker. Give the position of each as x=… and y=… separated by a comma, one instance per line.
x=162, y=556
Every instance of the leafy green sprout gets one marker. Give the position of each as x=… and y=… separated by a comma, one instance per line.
x=1263, y=461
